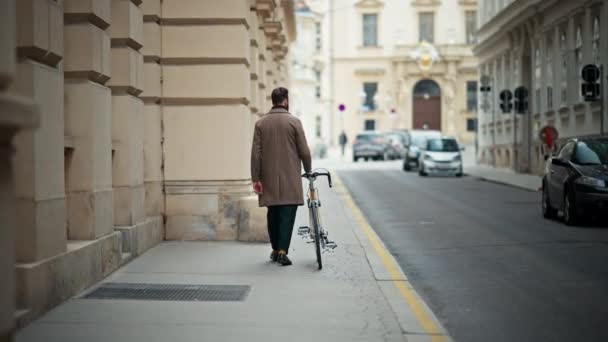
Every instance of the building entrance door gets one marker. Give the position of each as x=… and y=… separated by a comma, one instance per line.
x=427, y=105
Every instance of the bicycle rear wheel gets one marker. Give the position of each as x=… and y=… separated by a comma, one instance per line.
x=317, y=234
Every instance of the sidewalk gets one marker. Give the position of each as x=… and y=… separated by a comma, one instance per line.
x=505, y=176
x=360, y=295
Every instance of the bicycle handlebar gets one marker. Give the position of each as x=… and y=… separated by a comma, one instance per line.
x=314, y=175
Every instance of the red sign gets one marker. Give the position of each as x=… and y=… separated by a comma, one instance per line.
x=548, y=135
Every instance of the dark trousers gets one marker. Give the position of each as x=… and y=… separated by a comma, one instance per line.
x=280, y=225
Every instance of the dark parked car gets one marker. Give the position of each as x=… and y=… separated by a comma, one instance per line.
x=370, y=145
x=576, y=180
x=415, y=141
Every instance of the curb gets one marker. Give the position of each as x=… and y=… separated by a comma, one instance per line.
x=416, y=319
x=501, y=182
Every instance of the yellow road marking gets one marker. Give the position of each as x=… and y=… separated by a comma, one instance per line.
x=408, y=295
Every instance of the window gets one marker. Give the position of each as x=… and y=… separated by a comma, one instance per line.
x=592, y=152
x=426, y=30
x=442, y=145
x=549, y=71
x=317, y=84
x=318, y=126
x=471, y=26
x=370, y=125
x=578, y=50
x=472, y=96
x=370, y=30
x=563, y=47
x=370, y=89
x=507, y=74
x=537, y=78
x=578, y=54
x=471, y=125
x=318, y=36
x=596, y=41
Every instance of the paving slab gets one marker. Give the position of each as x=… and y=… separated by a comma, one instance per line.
x=354, y=297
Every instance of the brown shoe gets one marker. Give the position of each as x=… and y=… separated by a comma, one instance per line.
x=283, y=260
x=274, y=256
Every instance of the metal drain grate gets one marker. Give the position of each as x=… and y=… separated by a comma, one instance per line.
x=171, y=292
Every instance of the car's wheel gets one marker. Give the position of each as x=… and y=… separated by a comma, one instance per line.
x=548, y=211
x=355, y=159
x=421, y=172
x=570, y=214
x=406, y=165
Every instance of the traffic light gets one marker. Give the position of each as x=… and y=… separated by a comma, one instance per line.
x=506, y=101
x=521, y=100
x=591, y=87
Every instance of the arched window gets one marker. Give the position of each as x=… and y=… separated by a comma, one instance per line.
x=427, y=88
x=596, y=40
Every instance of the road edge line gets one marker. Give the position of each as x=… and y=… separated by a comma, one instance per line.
x=423, y=314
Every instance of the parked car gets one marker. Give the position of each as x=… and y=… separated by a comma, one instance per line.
x=396, y=144
x=441, y=156
x=370, y=145
x=576, y=180
x=415, y=140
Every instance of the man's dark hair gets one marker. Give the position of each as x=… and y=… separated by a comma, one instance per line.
x=279, y=95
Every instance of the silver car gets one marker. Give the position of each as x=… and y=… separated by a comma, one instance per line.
x=441, y=156
x=370, y=145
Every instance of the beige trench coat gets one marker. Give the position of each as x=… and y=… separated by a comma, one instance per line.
x=278, y=152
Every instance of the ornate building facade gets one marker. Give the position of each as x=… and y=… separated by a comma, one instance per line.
x=124, y=123
x=541, y=45
x=404, y=64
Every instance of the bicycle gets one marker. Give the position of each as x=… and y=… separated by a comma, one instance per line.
x=317, y=234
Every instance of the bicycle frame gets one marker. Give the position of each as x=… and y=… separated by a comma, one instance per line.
x=314, y=203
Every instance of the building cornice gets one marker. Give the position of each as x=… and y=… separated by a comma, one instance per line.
x=369, y=4
x=426, y=3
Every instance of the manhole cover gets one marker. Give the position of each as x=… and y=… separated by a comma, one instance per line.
x=171, y=292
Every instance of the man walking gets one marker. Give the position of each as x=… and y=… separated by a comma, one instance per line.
x=343, y=140
x=279, y=149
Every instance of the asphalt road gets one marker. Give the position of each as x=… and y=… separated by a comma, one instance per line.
x=485, y=261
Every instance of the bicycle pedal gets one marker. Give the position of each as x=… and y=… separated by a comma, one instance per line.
x=303, y=230
x=331, y=245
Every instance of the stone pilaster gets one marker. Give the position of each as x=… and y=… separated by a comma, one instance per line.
x=88, y=114
x=127, y=112
x=15, y=114
x=206, y=99
x=39, y=157
x=152, y=108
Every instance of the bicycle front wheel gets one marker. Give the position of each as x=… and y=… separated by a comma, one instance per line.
x=317, y=233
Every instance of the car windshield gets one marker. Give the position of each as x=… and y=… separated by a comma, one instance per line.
x=419, y=140
x=367, y=137
x=442, y=145
x=591, y=152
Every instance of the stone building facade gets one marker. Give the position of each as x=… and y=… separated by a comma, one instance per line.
x=124, y=123
x=541, y=45
x=309, y=96
x=403, y=65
